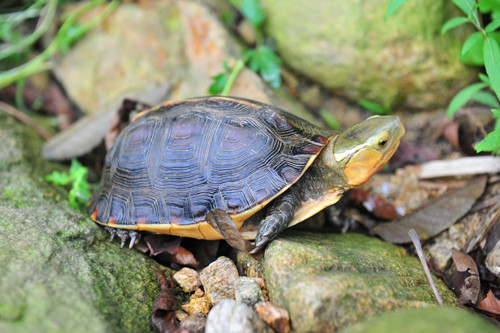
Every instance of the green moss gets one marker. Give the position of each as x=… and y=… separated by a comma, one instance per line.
x=347, y=47
x=343, y=278
x=430, y=320
x=59, y=271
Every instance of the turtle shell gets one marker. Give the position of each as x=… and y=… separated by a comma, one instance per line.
x=175, y=163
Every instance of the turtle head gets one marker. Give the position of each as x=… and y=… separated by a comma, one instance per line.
x=366, y=147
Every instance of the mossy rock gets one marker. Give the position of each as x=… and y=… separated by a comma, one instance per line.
x=59, y=271
x=347, y=47
x=428, y=320
x=328, y=281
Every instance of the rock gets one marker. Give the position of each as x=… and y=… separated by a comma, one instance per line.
x=218, y=279
x=230, y=316
x=430, y=320
x=59, y=271
x=328, y=281
x=247, y=290
x=194, y=324
x=249, y=266
x=181, y=315
x=114, y=62
x=276, y=317
x=347, y=47
x=493, y=260
x=197, y=306
x=173, y=52
x=207, y=46
x=188, y=279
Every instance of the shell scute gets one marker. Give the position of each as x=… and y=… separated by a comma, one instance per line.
x=176, y=162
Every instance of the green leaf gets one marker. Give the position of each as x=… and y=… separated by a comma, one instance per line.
x=58, y=178
x=265, y=62
x=252, y=10
x=491, y=53
x=330, y=120
x=484, y=78
x=453, y=23
x=393, y=6
x=493, y=25
x=490, y=143
x=486, y=98
x=473, y=39
x=77, y=171
x=219, y=83
x=374, y=107
x=496, y=113
x=463, y=96
x=467, y=6
x=487, y=6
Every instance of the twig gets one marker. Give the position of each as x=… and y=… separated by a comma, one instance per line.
x=9, y=109
x=460, y=167
x=416, y=242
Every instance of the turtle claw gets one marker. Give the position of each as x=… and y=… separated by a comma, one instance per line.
x=124, y=234
x=134, y=236
x=112, y=231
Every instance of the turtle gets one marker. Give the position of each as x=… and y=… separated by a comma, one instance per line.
x=176, y=163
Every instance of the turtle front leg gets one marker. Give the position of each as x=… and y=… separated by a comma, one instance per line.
x=278, y=217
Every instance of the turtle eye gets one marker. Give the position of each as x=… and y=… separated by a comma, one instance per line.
x=382, y=143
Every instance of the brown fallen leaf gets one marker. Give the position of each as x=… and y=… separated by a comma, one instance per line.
x=490, y=305
x=434, y=217
x=465, y=280
x=50, y=98
x=158, y=244
x=224, y=224
x=163, y=316
x=182, y=257
x=273, y=315
x=450, y=132
x=374, y=203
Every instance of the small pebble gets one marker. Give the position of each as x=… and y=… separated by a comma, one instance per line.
x=198, y=293
x=194, y=324
x=197, y=305
x=247, y=290
x=230, y=316
x=218, y=279
x=180, y=315
x=188, y=279
x=276, y=317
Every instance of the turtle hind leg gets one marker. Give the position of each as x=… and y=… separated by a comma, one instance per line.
x=278, y=217
x=124, y=234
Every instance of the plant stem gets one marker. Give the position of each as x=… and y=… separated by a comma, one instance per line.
x=232, y=77
x=39, y=63
x=46, y=21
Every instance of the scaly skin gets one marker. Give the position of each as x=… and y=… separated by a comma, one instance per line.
x=347, y=161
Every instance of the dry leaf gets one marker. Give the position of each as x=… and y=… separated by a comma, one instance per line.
x=491, y=305
x=224, y=224
x=163, y=315
x=465, y=281
x=436, y=216
x=374, y=203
